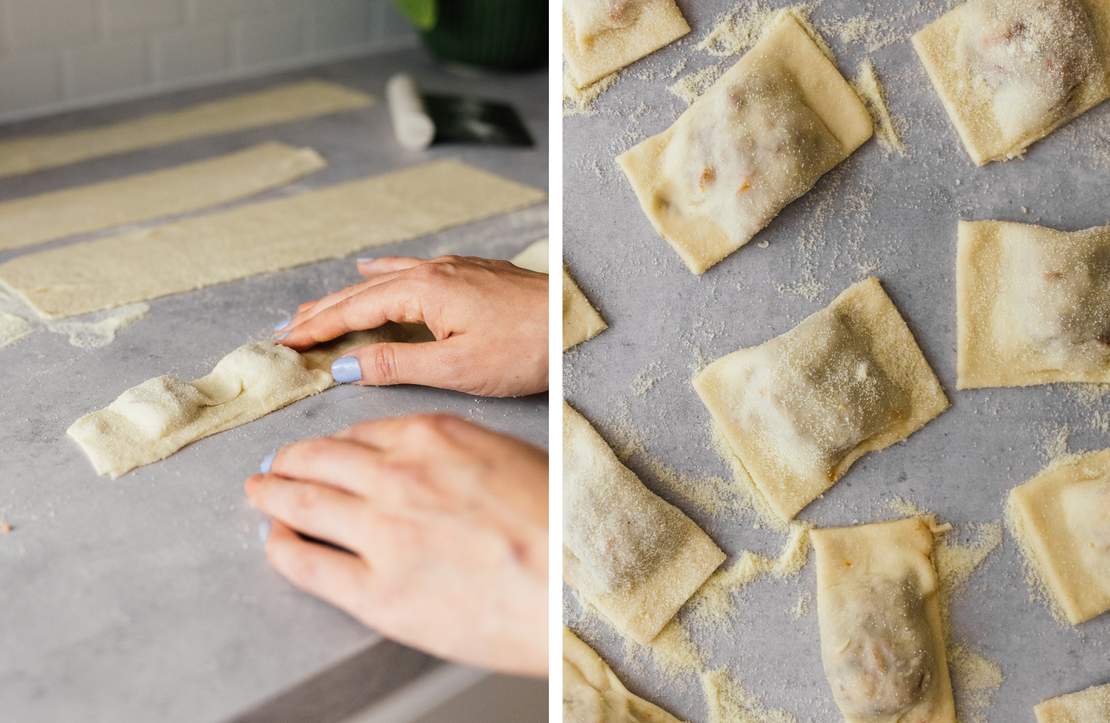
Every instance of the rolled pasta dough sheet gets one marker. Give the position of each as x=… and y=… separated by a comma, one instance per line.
x=592, y=692
x=581, y=321
x=1009, y=72
x=146, y=196
x=1087, y=706
x=1061, y=519
x=280, y=104
x=758, y=139
x=628, y=552
x=800, y=409
x=151, y=421
x=260, y=237
x=882, y=639
x=610, y=34
x=1032, y=305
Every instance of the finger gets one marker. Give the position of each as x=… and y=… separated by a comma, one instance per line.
x=389, y=433
x=431, y=364
x=339, y=578
x=385, y=264
x=314, y=509
x=343, y=464
x=394, y=300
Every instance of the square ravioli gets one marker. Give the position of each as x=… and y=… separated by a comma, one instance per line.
x=882, y=640
x=1032, y=305
x=1009, y=72
x=1061, y=518
x=602, y=36
x=628, y=552
x=758, y=139
x=1087, y=706
x=800, y=409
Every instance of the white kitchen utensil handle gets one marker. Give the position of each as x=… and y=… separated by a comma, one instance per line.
x=411, y=123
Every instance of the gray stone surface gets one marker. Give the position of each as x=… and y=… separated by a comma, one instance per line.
x=888, y=215
x=148, y=597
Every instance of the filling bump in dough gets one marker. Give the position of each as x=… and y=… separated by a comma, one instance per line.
x=581, y=321
x=151, y=421
x=758, y=139
x=882, y=642
x=1061, y=518
x=628, y=552
x=1087, y=706
x=602, y=36
x=1011, y=71
x=592, y=692
x=800, y=409
x=1033, y=305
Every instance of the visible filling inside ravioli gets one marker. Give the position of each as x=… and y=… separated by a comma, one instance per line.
x=1058, y=299
x=594, y=17
x=1087, y=513
x=752, y=148
x=1031, y=55
x=880, y=661
x=619, y=532
x=817, y=394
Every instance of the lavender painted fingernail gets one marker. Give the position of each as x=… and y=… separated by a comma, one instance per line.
x=264, y=530
x=345, y=370
x=267, y=462
x=279, y=337
x=364, y=260
x=282, y=324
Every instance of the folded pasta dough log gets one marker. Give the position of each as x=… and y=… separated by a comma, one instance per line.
x=1009, y=72
x=800, y=409
x=592, y=692
x=581, y=321
x=882, y=641
x=151, y=421
x=628, y=552
x=758, y=139
x=603, y=36
x=1061, y=519
x=1032, y=305
x=1087, y=706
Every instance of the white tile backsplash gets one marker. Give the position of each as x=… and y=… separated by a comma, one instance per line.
x=62, y=54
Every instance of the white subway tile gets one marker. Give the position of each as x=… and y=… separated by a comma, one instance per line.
x=30, y=81
x=206, y=10
x=192, y=52
x=340, y=24
x=50, y=24
x=271, y=39
x=394, y=24
x=128, y=16
x=109, y=67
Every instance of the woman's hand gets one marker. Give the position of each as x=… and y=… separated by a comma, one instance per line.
x=489, y=319
x=446, y=523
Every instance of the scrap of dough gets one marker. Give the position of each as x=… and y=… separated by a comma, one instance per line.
x=102, y=332
x=1032, y=305
x=592, y=692
x=800, y=409
x=882, y=639
x=151, y=421
x=145, y=196
x=1061, y=519
x=281, y=104
x=759, y=138
x=12, y=329
x=260, y=237
x=629, y=553
x=581, y=321
x=595, y=53
x=1009, y=72
x=1087, y=706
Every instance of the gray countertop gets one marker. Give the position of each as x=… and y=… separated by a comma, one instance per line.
x=894, y=217
x=148, y=597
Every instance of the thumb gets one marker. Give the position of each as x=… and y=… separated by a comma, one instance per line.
x=430, y=364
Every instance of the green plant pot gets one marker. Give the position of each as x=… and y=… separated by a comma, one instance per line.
x=498, y=34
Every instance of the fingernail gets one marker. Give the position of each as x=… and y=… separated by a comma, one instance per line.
x=267, y=461
x=264, y=530
x=282, y=324
x=364, y=260
x=279, y=337
x=345, y=370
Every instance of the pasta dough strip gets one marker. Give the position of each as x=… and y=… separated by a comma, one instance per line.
x=1086, y=706
x=261, y=237
x=146, y=196
x=592, y=692
x=657, y=23
x=281, y=104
